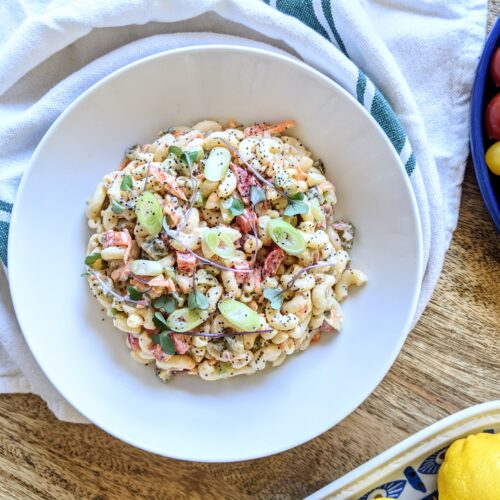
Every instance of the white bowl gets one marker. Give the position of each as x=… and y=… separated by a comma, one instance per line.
x=87, y=360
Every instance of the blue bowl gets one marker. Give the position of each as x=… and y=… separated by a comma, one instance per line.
x=482, y=92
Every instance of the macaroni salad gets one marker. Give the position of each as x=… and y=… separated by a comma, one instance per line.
x=215, y=248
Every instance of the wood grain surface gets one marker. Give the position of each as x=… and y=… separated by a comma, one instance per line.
x=449, y=362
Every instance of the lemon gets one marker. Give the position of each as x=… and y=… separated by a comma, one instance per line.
x=471, y=469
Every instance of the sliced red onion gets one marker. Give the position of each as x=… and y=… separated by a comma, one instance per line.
x=138, y=278
x=221, y=335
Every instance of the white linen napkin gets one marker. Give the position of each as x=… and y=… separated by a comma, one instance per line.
x=420, y=55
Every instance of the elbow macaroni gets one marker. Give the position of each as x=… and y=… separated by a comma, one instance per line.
x=309, y=296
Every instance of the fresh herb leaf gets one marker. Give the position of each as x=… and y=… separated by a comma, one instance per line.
x=165, y=303
x=133, y=293
x=275, y=297
x=196, y=300
x=192, y=156
x=166, y=343
x=176, y=150
x=90, y=259
x=257, y=195
x=296, y=205
x=116, y=208
x=236, y=207
x=159, y=320
x=114, y=311
x=127, y=183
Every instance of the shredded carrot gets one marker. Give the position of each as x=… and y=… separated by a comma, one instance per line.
x=315, y=338
x=169, y=209
x=168, y=181
x=260, y=128
x=161, y=282
x=124, y=163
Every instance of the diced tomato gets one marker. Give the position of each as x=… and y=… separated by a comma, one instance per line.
x=273, y=262
x=245, y=180
x=181, y=342
x=186, y=262
x=241, y=277
x=134, y=343
x=246, y=220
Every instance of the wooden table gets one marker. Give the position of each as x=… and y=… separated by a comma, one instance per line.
x=449, y=362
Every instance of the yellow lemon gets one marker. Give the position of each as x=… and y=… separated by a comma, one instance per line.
x=471, y=469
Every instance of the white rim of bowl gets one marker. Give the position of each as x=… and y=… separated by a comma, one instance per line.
x=318, y=76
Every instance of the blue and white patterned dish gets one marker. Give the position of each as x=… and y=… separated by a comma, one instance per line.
x=408, y=471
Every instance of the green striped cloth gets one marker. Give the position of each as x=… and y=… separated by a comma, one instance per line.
x=5, y=211
x=316, y=14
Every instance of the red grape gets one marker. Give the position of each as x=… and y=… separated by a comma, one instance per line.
x=495, y=67
x=492, y=118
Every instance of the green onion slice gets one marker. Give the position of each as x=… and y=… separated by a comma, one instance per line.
x=184, y=319
x=149, y=213
x=239, y=315
x=286, y=236
x=218, y=243
x=217, y=164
